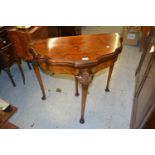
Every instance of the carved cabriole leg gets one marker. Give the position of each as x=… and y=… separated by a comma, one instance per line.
x=21, y=71
x=76, y=86
x=85, y=79
x=38, y=76
x=109, y=77
x=7, y=70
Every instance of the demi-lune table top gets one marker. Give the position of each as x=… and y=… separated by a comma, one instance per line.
x=78, y=50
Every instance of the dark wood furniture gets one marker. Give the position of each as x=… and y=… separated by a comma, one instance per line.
x=144, y=98
x=81, y=56
x=59, y=31
x=150, y=123
x=145, y=32
x=4, y=116
x=7, y=58
x=20, y=39
x=69, y=30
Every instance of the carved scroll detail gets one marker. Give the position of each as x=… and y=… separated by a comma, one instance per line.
x=85, y=78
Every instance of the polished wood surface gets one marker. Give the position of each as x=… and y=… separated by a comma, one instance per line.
x=78, y=51
x=9, y=125
x=7, y=58
x=150, y=124
x=20, y=40
x=80, y=56
x=4, y=117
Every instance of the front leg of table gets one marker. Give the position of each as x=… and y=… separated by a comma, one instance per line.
x=38, y=76
x=85, y=79
x=109, y=77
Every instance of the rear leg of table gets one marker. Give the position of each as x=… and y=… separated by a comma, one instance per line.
x=21, y=71
x=109, y=77
x=7, y=70
x=76, y=87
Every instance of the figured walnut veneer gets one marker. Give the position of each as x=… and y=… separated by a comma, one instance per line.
x=81, y=56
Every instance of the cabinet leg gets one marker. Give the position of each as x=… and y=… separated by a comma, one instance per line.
x=38, y=76
x=21, y=71
x=85, y=78
x=7, y=70
x=76, y=87
x=109, y=77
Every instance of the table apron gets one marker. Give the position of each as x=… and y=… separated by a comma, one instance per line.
x=64, y=69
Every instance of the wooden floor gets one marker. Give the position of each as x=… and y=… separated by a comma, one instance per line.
x=4, y=116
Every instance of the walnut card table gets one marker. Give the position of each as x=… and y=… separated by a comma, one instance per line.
x=81, y=56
